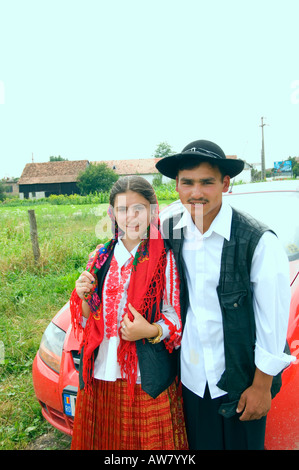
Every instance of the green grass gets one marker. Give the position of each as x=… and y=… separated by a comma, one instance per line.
x=31, y=294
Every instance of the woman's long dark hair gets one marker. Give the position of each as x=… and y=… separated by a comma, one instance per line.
x=138, y=184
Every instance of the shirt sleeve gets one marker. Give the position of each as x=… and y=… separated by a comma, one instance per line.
x=270, y=281
x=171, y=313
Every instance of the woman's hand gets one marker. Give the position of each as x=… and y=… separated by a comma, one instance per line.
x=84, y=284
x=139, y=328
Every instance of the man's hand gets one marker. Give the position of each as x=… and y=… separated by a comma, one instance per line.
x=255, y=401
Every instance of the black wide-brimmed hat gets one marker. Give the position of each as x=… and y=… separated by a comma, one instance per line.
x=199, y=151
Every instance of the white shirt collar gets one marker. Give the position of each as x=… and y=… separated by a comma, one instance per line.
x=220, y=225
x=122, y=255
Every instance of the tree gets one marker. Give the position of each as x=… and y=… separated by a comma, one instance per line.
x=295, y=166
x=255, y=175
x=157, y=180
x=296, y=170
x=58, y=159
x=98, y=178
x=163, y=150
x=2, y=191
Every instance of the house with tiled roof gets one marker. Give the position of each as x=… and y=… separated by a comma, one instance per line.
x=60, y=177
x=145, y=167
x=44, y=179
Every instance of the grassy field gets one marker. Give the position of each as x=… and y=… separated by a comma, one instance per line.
x=30, y=296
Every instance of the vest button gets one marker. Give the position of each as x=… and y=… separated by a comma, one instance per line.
x=235, y=304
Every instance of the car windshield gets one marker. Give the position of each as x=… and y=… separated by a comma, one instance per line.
x=277, y=209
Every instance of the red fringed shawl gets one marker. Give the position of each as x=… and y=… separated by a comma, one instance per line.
x=146, y=289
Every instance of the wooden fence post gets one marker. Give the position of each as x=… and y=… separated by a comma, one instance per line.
x=34, y=235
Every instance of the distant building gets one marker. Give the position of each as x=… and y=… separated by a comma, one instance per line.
x=146, y=167
x=43, y=179
x=10, y=186
x=245, y=175
x=142, y=166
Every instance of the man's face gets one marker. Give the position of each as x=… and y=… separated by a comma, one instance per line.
x=200, y=190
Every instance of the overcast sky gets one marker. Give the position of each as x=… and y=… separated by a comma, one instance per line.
x=102, y=80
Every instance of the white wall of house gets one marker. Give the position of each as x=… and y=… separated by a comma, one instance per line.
x=36, y=195
x=245, y=175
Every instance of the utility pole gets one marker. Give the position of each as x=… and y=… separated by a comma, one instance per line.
x=263, y=171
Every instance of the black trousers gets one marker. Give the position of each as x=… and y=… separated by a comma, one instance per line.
x=208, y=430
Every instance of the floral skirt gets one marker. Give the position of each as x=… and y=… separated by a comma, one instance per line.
x=105, y=419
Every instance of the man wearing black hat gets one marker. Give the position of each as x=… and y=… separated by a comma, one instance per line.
x=232, y=351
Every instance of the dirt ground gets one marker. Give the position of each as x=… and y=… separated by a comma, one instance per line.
x=51, y=441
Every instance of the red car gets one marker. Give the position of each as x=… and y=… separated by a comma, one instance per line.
x=55, y=372
x=55, y=367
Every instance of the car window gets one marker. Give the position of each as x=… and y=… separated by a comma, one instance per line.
x=277, y=209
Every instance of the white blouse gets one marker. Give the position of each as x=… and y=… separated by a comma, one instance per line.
x=114, y=296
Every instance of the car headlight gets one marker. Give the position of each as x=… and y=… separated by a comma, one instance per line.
x=51, y=346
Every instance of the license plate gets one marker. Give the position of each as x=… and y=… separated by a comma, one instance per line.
x=69, y=403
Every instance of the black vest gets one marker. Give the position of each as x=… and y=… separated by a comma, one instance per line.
x=158, y=367
x=235, y=298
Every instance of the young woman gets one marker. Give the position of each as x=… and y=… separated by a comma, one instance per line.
x=127, y=304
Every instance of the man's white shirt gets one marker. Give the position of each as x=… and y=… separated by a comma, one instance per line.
x=202, y=349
